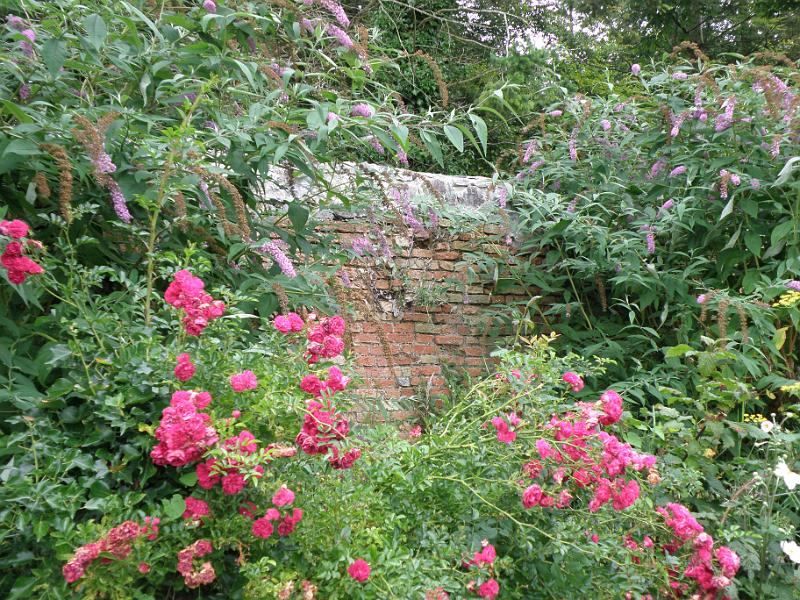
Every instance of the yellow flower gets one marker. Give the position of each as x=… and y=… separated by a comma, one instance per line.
x=788, y=300
x=709, y=453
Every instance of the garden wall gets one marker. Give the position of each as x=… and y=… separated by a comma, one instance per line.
x=419, y=315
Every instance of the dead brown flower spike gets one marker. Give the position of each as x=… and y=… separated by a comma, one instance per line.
x=227, y=226
x=283, y=298
x=722, y=317
x=437, y=74
x=41, y=186
x=64, y=179
x=601, y=290
x=743, y=324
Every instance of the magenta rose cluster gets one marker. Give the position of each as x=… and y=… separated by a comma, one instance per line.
x=13, y=259
x=117, y=543
x=324, y=427
x=186, y=293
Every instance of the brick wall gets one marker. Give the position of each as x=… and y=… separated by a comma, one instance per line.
x=417, y=315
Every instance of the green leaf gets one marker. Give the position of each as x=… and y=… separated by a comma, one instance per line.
x=455, y=136
x=480, y=128
x=22, y=148
x=188, y=479
x=30, y=193
x=173, y=508
x=433, y=146
x=779, y=339
x=235, y=250
x=298, y=215
x=786, y=171
x=677, y=351
x=779, y=233
x=727, y=210
x=97, y=30
x=144, y=83
x=753, y=242
x=16, y=111
x=54, y=55
x=401, y=131
x=267, y=304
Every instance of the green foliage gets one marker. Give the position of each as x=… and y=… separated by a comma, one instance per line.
x=626, y=248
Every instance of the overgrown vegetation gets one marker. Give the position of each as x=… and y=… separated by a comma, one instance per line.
x=165, y=435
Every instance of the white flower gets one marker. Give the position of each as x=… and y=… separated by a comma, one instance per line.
x=767, y=426
x=790, y=478
x=792, y=550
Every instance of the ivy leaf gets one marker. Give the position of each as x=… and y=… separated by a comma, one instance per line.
x=173, y=508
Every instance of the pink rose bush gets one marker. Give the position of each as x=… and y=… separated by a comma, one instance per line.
x=289, y=323
x=482, y=566
x=543, y=464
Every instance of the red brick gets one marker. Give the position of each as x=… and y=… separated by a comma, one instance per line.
x=385, y=383
x=416, y=317
x=449, y=339
x=400, y=338
x=475, y=351
x=423, y=338
x=475, y=361
x=429, y=370
x=421, y=349
x=366, y=338
x=446, y=319
x=421, y=253
x=427, y=359
x=399, y=327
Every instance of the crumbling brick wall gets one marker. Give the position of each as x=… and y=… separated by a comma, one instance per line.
x=415, y=316
x=412, y=321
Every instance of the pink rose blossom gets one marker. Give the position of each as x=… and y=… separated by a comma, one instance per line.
x=283, y=496
x=574, y=380
x=185, y=369
x=359, y=570
x=244, y=381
